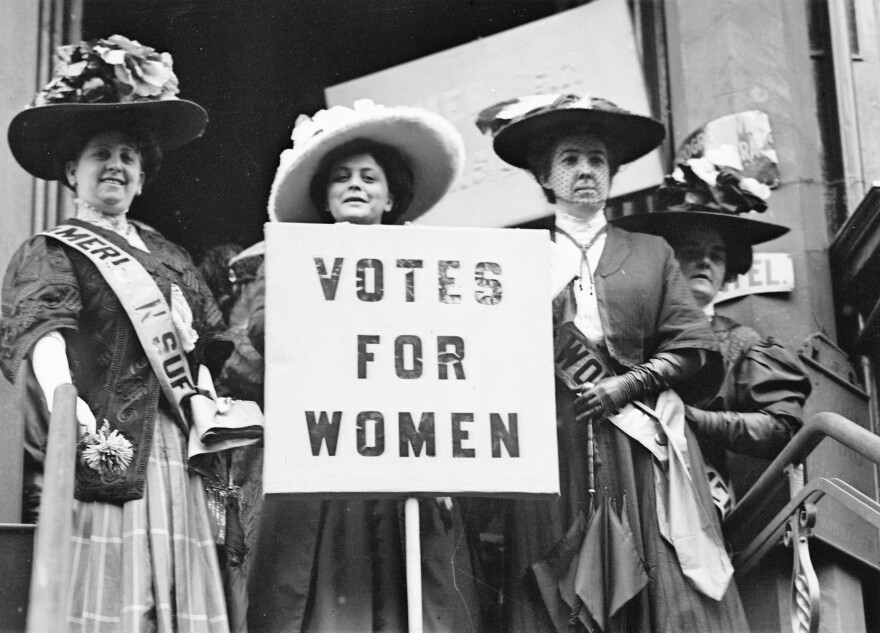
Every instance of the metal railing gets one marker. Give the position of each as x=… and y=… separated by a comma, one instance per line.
x=758, y=524
x=768, y=487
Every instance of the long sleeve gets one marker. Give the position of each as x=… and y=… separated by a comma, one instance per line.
x=760, y=405
x=41, y=294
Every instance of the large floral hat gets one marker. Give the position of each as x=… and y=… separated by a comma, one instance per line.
x=699, y=191
x=516, y=124
x=429, y=144
x=98, y=85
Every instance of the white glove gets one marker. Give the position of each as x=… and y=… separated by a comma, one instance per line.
x=49, y=358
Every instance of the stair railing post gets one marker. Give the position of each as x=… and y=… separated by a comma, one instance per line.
x=53, y=549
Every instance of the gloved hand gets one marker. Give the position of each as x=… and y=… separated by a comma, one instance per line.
x=606, y=397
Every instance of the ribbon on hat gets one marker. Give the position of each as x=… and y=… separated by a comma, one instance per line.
x=496, y=117
x=493, y=118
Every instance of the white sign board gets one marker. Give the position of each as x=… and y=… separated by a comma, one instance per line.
x=770, y=272
x=408, y=360
x=590, y=50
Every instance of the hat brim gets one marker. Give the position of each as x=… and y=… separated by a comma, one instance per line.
x=430, y=145
x=629, y=136
x=669, y=224
x=41, y=138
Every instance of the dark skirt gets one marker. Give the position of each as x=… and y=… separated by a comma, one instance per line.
x=336, y=566
x=624, y=471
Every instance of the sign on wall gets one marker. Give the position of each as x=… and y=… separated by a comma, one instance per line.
x=770, y=272
x=590, y=50
x=408, y=360
x=742, y=140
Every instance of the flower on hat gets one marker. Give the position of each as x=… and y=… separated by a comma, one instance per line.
x=111, y=70
x=701, y=181
x=307, y=127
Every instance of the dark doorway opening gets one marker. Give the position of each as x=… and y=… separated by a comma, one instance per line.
x=255, y=65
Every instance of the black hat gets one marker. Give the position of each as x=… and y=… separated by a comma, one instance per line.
x=112, y=83
x=700, y=192
x=517, y=123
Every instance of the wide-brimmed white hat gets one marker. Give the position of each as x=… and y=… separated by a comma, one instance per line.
x=430, y=145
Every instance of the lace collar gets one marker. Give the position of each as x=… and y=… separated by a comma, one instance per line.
x=581, y=230
x=119, y=224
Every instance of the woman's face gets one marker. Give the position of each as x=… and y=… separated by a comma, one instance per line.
x=702, y=255
x=108, y=173
x=357, y=190
x=579, y=171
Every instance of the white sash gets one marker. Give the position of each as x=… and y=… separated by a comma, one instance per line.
x=146, y=308
x=681, y=517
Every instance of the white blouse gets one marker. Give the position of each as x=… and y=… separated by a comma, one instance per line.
x=570, y=260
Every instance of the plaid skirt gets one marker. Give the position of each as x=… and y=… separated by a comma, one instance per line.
x=149, y=565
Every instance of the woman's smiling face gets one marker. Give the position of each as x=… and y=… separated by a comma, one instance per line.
x=357, y=190
x=108, y=173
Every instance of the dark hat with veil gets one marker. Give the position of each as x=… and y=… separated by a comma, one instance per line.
x=112, y=83
x=516, y=125
x=699, y=192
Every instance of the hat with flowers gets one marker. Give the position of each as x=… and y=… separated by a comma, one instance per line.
x=517, y=125
x=699, y=191
x=102, y=84
x=429, y=145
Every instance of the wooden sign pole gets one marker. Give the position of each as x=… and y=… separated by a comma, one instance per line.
x=413, y=565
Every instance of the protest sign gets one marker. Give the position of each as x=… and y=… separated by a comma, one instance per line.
x=408, y=360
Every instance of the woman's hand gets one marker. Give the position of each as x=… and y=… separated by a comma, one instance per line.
x=604, y=398
x=49, y=358
x=607, y=396
x=85, y=417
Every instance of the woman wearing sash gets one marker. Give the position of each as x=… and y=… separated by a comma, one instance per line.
x=709, y=218
x=631, y=544
x=339, y=565
x=144, y=554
